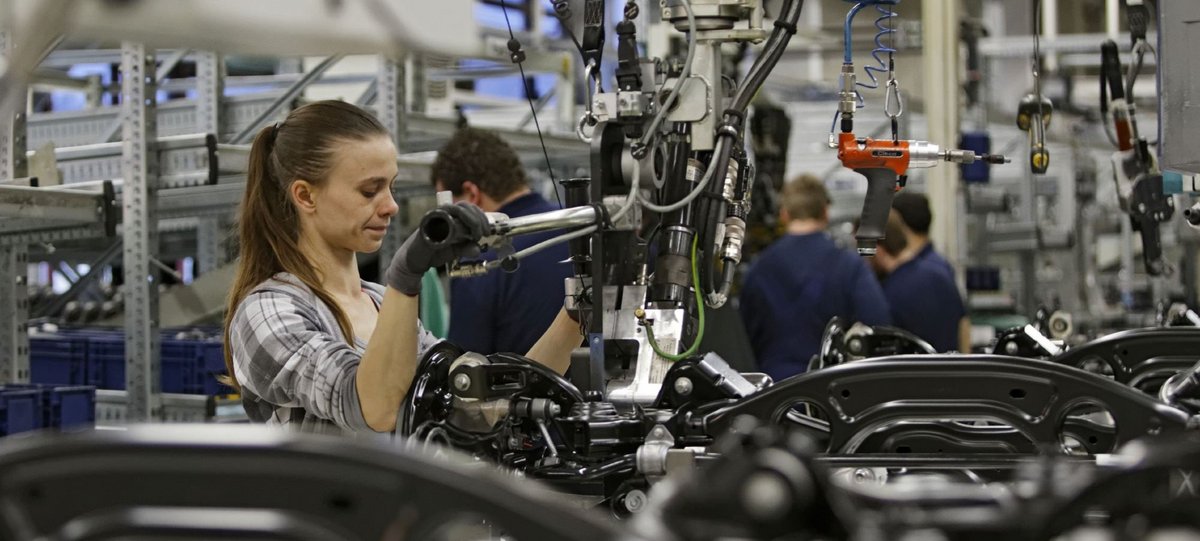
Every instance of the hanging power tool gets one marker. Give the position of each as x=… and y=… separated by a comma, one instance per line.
x=1138, y=180
x=1035, y=110
x=1033, y=116
x=885, y=163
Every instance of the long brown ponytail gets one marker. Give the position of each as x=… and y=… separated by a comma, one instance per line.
x=268, y=226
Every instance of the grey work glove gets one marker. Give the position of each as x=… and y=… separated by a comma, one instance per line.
x=417, y=255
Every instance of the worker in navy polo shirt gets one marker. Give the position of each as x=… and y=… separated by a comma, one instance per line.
x=922, y=295
x=802, y=281
x=500, y=311
x=914, y=211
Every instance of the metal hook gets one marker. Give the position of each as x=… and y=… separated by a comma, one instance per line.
x=589, y=117
x=590, y=75
x=893, y=88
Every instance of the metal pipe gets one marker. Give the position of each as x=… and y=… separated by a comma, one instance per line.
x=439, y=227
x=1049, y=31
x=1112, y=17
x=545, y=221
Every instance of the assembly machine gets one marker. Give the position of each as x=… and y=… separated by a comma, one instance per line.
x=642, y=401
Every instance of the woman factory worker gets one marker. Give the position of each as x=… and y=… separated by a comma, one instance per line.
x=300, y=325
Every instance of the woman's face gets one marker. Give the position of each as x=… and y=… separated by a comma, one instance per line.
x=353, y=207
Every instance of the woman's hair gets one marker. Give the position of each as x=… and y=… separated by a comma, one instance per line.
x=300, y=147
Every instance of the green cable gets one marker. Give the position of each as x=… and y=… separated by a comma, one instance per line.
x=700, y=306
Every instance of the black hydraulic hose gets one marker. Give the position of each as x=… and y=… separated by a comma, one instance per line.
x=736, y=211
x=727, y=270
x=785, y=26
x=712, y=208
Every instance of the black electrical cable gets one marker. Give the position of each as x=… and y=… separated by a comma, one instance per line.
x=776, y=44
x=519, y=60
x=772, y=52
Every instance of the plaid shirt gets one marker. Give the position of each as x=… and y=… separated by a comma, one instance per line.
x=295, y=366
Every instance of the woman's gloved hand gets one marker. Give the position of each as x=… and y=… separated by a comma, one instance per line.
x=418, y=255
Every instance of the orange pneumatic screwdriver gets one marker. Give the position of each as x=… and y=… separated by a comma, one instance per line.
x=885, y=163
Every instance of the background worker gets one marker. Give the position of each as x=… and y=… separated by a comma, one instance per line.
x=500, y=311
x=802, y=281
x=921, y=293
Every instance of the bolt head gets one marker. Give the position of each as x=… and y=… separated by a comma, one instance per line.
x=863, y=475
x=1011, y=348
x=684, y=386
x=635, y=501
x=462, y=382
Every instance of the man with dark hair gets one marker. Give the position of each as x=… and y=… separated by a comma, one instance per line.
x=500, y=311
x=801, y=282
x=920, y=284
x=921, y=298
x=889, y=249
x=914, y=211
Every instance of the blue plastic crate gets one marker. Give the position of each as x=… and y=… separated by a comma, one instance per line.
x=20, y=410
x=58, y=358
x=69, y=407
x=106, y=361
x=179, y=371
x=63, y=406
x=214, y=365
x=188, y=366
x=181, y=360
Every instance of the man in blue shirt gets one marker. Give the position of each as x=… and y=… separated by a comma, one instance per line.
x=500, y=311
x=916, y=217
x=921, y=291
x=801, y=282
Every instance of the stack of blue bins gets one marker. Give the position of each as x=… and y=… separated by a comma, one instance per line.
x=191, y=360
x=25, y=407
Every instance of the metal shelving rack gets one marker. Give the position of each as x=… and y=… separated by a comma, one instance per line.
x=14, y=307
x=181, y=162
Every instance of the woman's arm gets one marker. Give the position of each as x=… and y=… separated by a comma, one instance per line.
x=554, y=348
x=390, y=361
